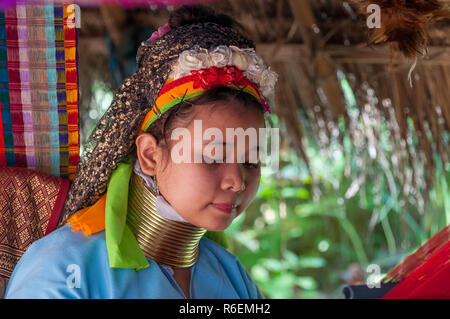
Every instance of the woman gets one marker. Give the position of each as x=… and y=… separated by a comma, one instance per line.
x=145, y=211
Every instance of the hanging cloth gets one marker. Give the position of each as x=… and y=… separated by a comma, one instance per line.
x=39, y=88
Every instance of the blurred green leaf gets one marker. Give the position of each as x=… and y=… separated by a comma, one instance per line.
x=259, y=273
x=312, y=262
x=294, y=232
x=306, y=282
x=273, y=264
x=295, y=192
x=248, y=242
x=236, y=225
x=281, y=286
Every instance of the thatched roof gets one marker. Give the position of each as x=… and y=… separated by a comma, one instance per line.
x=316, y=47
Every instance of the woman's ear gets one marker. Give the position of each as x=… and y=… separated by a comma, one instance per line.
x=148, y=153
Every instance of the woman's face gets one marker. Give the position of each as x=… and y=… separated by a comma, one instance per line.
x=203, y=193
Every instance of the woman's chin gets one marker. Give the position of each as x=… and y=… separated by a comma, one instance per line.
x=219, y=220
x=215, y=225
x=219, y=228
x=214, y=219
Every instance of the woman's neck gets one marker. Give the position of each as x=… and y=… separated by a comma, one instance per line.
x=161, y=236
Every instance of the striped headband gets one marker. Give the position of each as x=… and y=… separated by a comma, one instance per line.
x=198, y=70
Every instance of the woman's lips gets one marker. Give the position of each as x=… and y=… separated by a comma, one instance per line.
x=227, y=208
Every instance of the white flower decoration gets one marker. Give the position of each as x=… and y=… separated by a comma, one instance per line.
x=221, y=56
x=193, y=60
x=176, y=71
x=245, y=60
x=267, y=83
x=239, y=58
x=255, y=67
x=203, y=55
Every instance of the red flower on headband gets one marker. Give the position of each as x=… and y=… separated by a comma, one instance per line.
x=214, y=76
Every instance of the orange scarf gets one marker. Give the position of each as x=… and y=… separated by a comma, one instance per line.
x=90, y=220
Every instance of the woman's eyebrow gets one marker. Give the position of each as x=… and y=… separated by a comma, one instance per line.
x=225, y=143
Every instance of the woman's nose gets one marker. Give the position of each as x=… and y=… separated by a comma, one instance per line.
x=234, y=177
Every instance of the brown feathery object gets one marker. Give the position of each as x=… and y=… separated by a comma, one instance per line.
x=114, y=136
x=404, y=23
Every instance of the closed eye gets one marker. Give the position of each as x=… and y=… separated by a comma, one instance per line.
x=211, y=161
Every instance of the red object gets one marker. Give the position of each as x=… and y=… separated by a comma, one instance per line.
x=214, y=77
x=16, y=126
x=2, y=144
x=58, y=206
x=426, y=273
x=159, y=33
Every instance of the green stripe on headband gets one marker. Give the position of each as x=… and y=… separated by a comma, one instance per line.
x=163, y=109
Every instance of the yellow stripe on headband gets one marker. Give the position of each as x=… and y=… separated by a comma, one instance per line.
x=180, y=93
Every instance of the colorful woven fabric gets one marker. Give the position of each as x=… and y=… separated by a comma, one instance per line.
x=39, y=88
x=30, y=206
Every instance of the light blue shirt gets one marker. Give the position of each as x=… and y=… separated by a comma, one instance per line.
x=66, y=264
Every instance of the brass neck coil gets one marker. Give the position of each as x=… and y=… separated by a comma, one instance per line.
x=166, y=241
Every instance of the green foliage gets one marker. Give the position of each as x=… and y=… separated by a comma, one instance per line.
x=306, y=252
x=217, y=236
x=301, y=234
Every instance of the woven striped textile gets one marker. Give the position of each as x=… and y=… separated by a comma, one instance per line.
x=39, y=126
